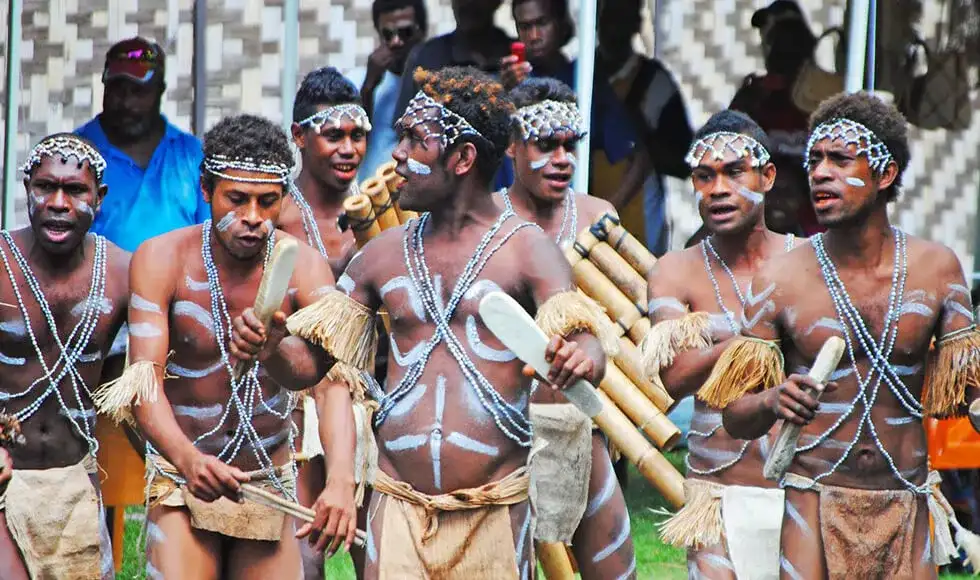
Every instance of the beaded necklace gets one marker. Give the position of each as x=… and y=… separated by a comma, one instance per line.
x=246, y=392
x=510, y=420
x=308, y=218
x=569, y=217
x=71, y=349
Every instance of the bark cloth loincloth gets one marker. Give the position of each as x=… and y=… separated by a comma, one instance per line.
x=746, y=520
x=465, y=534
x=246, y=520
x=53, y=516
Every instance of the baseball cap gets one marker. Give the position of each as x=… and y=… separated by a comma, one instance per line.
x=778, y=10
x=137, y=59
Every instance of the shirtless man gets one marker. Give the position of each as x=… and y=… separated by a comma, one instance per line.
x=696, y=298
x=207, y=432
x=858, y=489
x=544, y=134
x=452, y=422
x=330, y=129
x=65, y=293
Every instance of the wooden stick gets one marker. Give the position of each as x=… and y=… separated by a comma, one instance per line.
x=360, y=219
x=269, y=499
x=554, y=560
x=784, y=449
x=608, y=229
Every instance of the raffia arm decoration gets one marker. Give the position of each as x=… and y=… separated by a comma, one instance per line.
x=669, y=337
x=136, y=385
x=748, y=364
x=953, y=366
x=341, y=326
x=569, y=312
x=699, y=523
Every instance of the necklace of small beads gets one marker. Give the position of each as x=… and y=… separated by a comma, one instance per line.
x=569, y=217
x=308, y=218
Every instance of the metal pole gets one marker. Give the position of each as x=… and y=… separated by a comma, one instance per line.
x=200, y=67
x=584, y=78
x=290, y=58
x=872, y=44
x=857, y=45
x=12, y=91
x=658, y=34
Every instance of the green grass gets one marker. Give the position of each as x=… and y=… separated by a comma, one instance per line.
x=653, y=558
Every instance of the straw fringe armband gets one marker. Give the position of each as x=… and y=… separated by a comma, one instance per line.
x=747, y=364
x=699, y=523
x=953, y=366
x=569, y=312
x=670, y=337
x=342, y=327
x=136, y=385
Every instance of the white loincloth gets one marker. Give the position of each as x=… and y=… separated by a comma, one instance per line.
x=753, y=520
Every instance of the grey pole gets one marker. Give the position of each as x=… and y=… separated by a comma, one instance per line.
x=857, y=43
x=584, y=78
x=290, y=58
x=200, y=80
x=12, y=91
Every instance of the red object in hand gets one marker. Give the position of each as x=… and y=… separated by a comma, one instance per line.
x=517, y=49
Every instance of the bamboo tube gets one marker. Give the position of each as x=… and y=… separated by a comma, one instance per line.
x=360, y=219
x=553, y=557
x=607, y=229
x=384, y=208
x=619, y=272
x=628, y=360
x=651, y=464
x=639, y=409
x=623, y=310
x=386, y=174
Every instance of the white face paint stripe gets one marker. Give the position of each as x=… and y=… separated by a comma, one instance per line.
x=855, y=181
x=469, y=444
x=198, y=412
x=195, y=312
x=538, y=164
x=268, y=226
x=753, y=196
x=140, y=303
x=417, y=167
x=225, y=222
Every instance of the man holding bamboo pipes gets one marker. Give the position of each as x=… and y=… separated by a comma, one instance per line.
x=590, y=512
x=859, y=495
x=731, y=517
x=451, y=486
x=209, y=428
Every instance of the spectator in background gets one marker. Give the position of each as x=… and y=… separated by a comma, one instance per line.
x=153, y=170
x=545, y=26
x=476, y=42
x=787, y=44
x=656, y=106
x=401, y=25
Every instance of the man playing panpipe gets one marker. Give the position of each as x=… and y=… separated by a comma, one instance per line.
x=859, y=495
x=696, y=300
x=65, y=298
x=451, y=489
x=574, y=489
x=207, y=429
x=330, y=129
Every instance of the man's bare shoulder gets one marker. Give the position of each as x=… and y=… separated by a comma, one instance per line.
x=170, y=247
x=594, y=207
x=933, y=259
x=117, y=262
x=677, y=265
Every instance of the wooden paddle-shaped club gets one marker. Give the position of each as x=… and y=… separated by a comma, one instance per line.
x=789, y=434
x=269, y=499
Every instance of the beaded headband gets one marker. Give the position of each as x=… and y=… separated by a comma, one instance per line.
x=451, y=125
x=851, y=133
x=334, y=115
x=544, y=119
x=65, y=146
x=217, y=164
x=719, y=142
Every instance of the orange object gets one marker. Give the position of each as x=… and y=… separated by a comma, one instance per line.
x=953, y=444
x=124, y=479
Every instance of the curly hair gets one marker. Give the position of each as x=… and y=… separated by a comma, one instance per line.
x=379, y=7
x=323, y=86
x=536, y=89
x=482, y=101
x=883, y=119
x=244, y=135
x=734, y=122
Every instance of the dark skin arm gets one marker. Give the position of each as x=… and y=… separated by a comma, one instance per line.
x=111, y=370
x=955, y=304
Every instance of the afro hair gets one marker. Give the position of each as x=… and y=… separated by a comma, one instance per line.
x=323, y=86
x=245, y=136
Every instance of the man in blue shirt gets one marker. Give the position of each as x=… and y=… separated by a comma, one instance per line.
x=153, y=169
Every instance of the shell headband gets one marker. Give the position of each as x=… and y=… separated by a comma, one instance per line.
x=218, y=164
x=851, y=133
x=544, y=119
x=451, y=125
x=334, y=115
x=65, y=146
x=718, y=143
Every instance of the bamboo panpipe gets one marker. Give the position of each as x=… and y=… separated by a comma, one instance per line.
x=610, y=263
x=628, y=360
x=639, y=409
x=386, y=173
x=608, y=229
x=554, y=560
x=632, y=317
x=650, y=463
x=359, y=217
x=384, y=208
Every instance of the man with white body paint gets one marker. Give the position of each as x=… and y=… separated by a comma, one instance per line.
x=64, y=293
x=859, y=494
x=593, y=518
x=206, y=432
x=452, y=432
x=696, y=299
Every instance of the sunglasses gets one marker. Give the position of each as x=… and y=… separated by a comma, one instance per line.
x=402, y=32
x=140, y=54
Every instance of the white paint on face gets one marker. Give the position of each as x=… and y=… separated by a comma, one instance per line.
x=855, y=181
x=463, y=442
x=538, y=164
x=268, y=226
x=140, y=303
x=187, y=373
x=753, y=196
x=195, y=312
x=225, y=222
x=698, y=196
x=195, y=286
x=84, y=207
x=417, y=167
x=572, y=159
x=15, y=328
x=198, y=412
x=346, y=284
